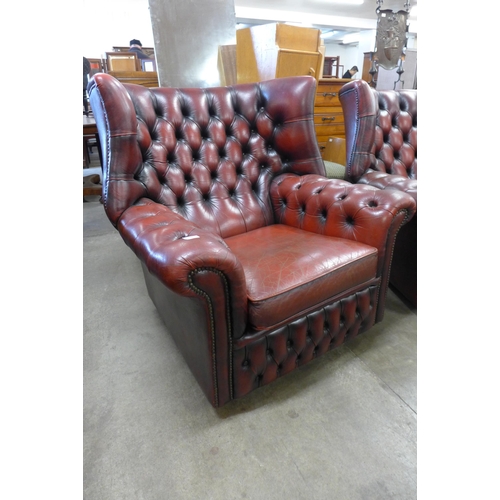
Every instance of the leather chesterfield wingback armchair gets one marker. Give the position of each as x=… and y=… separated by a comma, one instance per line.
x=256, y=262
x=381, y=151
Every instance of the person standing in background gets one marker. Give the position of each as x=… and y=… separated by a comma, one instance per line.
x=136, y=46
x=350, y=72
x=86, y=71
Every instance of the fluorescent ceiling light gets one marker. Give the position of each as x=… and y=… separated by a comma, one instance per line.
x=304, y=25
x=349, y=2
x=328, y=34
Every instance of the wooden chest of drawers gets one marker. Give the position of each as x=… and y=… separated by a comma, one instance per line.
x=328, y=116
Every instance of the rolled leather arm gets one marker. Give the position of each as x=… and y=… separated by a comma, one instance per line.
x=173, y=249
x=338, y=208
x=382, y=180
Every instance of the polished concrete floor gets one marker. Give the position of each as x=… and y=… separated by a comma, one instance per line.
x=342, y=427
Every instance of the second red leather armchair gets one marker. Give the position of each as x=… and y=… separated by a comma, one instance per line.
x=381, y=151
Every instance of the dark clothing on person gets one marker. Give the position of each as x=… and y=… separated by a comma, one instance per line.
x=86, y=71
x=139, y=52
x=348, y=73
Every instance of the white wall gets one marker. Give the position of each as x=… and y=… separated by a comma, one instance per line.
x=120, y=21
x=352, y=51
x=354, y=46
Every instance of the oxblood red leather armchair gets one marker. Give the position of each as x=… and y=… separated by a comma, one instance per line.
x=256, y=262
x=381, y=151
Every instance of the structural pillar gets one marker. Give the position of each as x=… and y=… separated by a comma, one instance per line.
x=187, y=35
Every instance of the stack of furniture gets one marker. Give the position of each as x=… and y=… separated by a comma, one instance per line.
x=126, y=67
x=257, y=263
x=276, y=51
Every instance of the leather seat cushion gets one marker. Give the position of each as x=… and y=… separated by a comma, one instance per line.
x=285, y=278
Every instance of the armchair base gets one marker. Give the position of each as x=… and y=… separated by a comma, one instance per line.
x=232, y=369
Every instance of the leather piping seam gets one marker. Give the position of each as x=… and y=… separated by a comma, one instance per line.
x=108, y=144
x=212, y=327
x=356, y=133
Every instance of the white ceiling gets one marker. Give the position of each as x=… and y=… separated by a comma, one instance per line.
x=326, y=15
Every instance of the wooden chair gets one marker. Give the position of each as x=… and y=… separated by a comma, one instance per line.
x=122, y=61
x=331, y=67
x=96, y=66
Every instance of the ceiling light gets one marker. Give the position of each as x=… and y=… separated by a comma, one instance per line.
x=328, y=34
x=349, y=2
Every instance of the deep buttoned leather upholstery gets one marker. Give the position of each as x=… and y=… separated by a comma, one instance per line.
x=381, y=151
x=256, y=262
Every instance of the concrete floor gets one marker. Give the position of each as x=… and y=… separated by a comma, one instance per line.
x=342, y=427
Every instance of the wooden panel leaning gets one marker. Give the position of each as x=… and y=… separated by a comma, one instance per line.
x=226, y=64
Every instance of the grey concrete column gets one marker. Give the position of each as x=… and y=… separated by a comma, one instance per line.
x=187, y=35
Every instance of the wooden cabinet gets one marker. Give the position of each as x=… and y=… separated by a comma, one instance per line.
x=328, y=115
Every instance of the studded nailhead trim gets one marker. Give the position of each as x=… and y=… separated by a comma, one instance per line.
x=212, y=326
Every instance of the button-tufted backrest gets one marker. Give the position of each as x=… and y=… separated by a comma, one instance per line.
x=381, y=130
x=207, y=154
